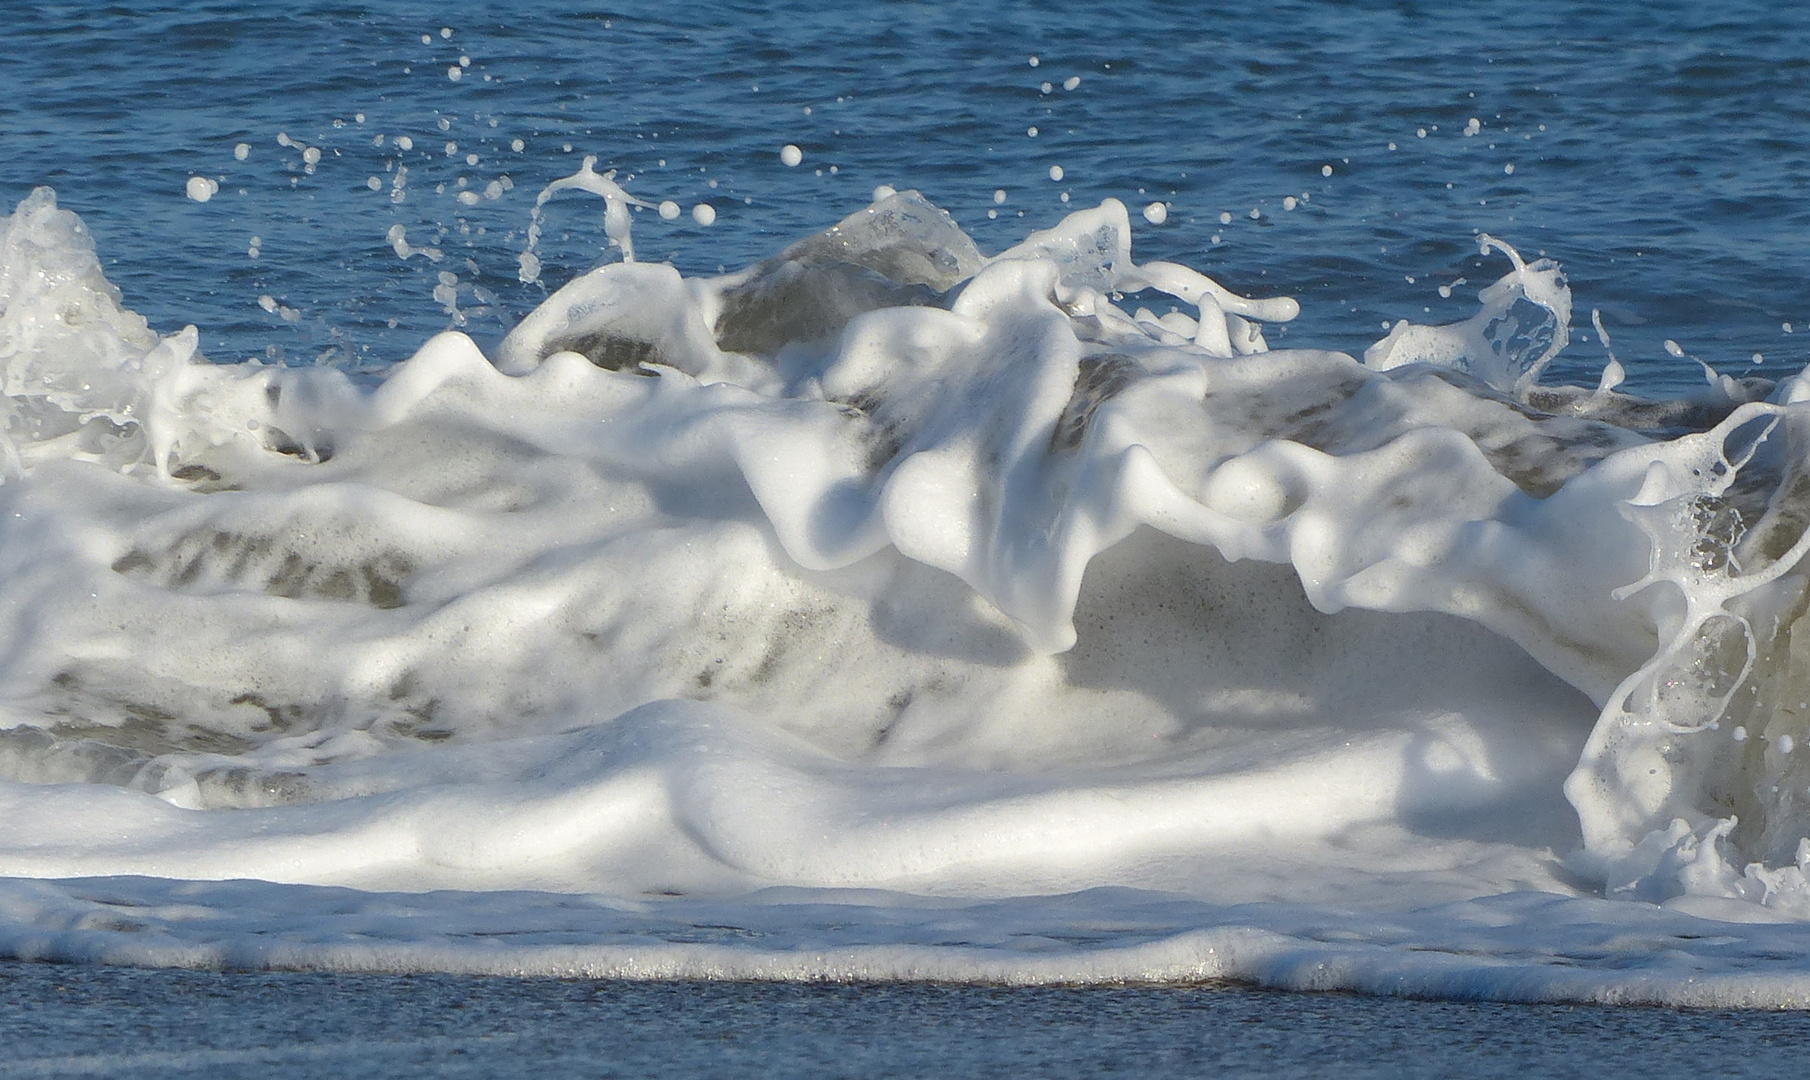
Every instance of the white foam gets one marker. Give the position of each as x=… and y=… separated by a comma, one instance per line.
x=1527, y=947
x=1506, y=352
x=888, y=565
x=616, y=200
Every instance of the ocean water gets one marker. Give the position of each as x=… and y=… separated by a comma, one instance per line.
x=1304, y=496
x=86, y=1021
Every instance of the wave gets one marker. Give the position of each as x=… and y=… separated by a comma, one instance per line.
x=887, y=565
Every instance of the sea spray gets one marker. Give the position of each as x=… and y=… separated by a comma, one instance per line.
x=616, y=202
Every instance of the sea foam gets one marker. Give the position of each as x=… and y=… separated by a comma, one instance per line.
x=1030, y=593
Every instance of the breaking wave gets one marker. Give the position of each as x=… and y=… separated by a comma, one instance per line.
x=888, y=569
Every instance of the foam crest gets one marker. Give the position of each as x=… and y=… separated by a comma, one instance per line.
x=1524, y=322
x=883, y=563
x=616, y=224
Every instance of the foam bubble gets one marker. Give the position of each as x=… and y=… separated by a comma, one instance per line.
x=201, y=188
x=242, y=151
x=1055, y=172
x=1156, y=213
x=790, y=155
x=669, y=210
x=704, y=214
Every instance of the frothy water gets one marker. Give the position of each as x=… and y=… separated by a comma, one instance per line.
x=909, y=602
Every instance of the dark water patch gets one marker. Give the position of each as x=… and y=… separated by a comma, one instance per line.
x=98, y=1021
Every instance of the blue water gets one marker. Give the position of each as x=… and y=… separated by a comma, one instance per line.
x=1657, y=151
x=60, y=1021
